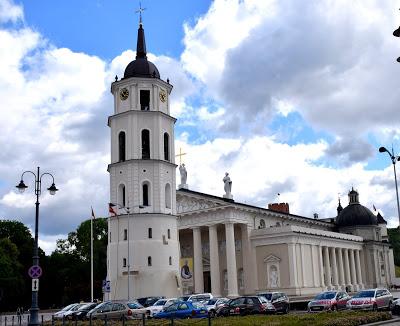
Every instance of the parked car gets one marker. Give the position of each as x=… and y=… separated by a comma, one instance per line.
x=372, y=299
x=81, y=313
x=213, y=304
x=278, y=299
x=329, y=300
x=117, y=310
x=68, y=314
x=245, y=306
x=159, y=305
x=148, y=301
x=396, y=307
x=183, y=309
x=200, y=297
x=60, y=314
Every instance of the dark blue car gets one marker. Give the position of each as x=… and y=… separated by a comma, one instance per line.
x=183, y=309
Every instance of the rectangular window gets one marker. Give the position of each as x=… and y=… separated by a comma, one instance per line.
x=125, y=234
x=169, y=233
x=150, y=233
x=110, y=236
x=145, y=100
x=124, y=262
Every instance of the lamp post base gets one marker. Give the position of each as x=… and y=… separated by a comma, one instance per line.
x=34, y=317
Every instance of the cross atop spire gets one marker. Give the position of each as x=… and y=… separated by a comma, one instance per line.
x=140, y=10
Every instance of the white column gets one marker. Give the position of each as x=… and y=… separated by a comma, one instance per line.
x=231, y=260
x=327, y=264
x=292, y=265
x=346, y=267
x=314, y=263
x=249, y=266
x=214, y=261
x=321, y=267
x=198, y=261
x=342, y=281
x=358, y=270
x=302, y=262
x=353, y=270
x=334, y=268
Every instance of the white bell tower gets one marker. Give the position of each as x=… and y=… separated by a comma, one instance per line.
x=142, y=180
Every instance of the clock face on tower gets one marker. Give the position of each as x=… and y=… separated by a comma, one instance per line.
x=124, y=94
x=163, y=95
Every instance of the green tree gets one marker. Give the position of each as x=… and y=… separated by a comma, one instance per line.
x=19, y=235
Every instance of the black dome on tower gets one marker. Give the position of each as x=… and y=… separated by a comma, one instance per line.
x=355, y=214
x=141, y=67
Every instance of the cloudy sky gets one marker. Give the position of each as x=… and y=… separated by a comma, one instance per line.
x=289, y=97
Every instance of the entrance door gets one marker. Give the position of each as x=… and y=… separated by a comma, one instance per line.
x=207, y=282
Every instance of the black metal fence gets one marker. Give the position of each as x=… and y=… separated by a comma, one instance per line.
x=23, y=320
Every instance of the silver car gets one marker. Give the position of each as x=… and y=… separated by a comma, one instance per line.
x=372, y=299
x=329, y=300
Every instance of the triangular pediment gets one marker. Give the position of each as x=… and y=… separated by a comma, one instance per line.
x=186, y=203
x=272, y=259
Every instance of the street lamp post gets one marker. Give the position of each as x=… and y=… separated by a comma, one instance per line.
x=34, y=310
x=394, y=159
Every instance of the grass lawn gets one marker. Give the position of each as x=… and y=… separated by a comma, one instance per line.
x=397, y=271
x=344, y=318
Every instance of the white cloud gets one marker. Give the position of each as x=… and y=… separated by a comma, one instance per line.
x=9, y=11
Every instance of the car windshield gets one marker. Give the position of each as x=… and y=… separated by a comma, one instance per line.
x=262, y=299
x=87, y=306
x=68, y=307
x=197, y=305
x=160, y=302
x=365, y=294
x=184, y=298
x=211, y=302
x=134, y=305
x=325, y=295
x=267, y=296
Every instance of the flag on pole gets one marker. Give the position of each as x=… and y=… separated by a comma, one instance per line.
x=111, y=209
x=93, y=216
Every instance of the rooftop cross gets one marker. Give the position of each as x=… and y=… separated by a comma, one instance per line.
x=180, y=156
x=140, y=10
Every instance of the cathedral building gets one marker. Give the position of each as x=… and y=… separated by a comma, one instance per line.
x=164, y=241
x=242, y=249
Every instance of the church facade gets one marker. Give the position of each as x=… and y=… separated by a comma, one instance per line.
x=242, y=249
x=164, y=241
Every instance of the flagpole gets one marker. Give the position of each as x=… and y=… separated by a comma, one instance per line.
x=91, y=257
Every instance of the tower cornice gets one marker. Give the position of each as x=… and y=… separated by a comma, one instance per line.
x=137, y=80
x=130, y=112
x=139, y=161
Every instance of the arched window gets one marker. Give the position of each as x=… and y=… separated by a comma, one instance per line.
x=125, y=234
x=121, y=195
x=149, y=261
x=150, y=233
x=124, y=262
x=170, y=260
x=145, y=189
x=262, y=224
x=169, y=233
x=145, y=144
x=166, y=146
x=121, y=146
x=168, y=195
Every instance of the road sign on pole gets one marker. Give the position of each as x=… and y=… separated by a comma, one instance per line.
x=35, y=284
x=35, y=271
x=107, y=288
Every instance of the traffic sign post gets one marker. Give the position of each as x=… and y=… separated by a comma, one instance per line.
x=35, y=285
x=35, y=271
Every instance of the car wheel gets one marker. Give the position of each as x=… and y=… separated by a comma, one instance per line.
x=334, y=308
x=375, y=307
x=212, y=313
x=286, y=309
